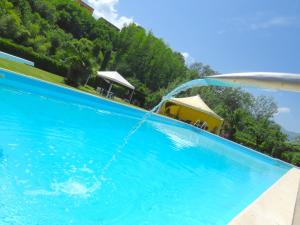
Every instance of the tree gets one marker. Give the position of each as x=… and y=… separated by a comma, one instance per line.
x=139, y=54
x=45, y=10
x=263, y=107
x=57, y=39
x=73, y=19
x=10, y=22
x=296, y=140
x=9, y=26
x=82, y=64
x=23, y=9
x=6, y=7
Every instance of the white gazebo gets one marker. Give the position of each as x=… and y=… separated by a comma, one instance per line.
x=114, y=77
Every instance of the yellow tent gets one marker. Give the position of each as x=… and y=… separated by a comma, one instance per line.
x=192, y=110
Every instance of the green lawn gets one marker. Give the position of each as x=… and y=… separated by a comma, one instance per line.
x=50, y=77
x=40, y=74
x=31, y=71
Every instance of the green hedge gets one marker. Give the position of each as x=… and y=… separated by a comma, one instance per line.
x=292, y=157
x=243, y=139
x=40, y=61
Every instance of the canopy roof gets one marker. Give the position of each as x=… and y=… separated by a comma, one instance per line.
x=115, y=77
x=196, y=103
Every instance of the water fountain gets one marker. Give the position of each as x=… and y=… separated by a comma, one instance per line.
x=267, y=80
x=66, y=163
x=279, y=81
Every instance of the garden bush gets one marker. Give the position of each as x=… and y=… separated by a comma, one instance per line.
x=40, y=61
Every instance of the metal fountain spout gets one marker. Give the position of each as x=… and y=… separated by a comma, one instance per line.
x=267, y=80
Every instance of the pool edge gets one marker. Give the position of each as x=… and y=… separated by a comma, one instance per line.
x=274, y=206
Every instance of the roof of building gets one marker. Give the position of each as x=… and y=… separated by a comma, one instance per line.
x=86, y=5
x=110, y=24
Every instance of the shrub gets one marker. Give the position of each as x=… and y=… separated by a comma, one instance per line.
x=292, y=157
x=76, y=73
x=40, y=61
x=244, y=139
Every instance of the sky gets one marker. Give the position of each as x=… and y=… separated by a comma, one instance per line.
x=229, y=35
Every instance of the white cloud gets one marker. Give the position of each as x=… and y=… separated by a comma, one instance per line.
x=279, y=21
x=185, y=55
x=107, y=10
x=187, y=58
x=283, y=110
x=258, y=21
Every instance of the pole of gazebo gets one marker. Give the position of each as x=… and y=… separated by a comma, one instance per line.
x=131, y=96
x=87, y=80
x=109, y=89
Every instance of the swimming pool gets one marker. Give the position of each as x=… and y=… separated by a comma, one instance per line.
x=55, y=145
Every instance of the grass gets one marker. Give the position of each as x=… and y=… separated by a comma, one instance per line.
x=44, y=75
x=31, y=71
x=41, y=74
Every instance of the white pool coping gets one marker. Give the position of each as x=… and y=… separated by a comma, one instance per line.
x=296, y=219
x=276, y=206
x=14, y=58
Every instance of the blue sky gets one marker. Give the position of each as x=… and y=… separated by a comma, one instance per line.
x=229, y=35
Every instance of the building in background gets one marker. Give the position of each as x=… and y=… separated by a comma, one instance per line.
x=91, y=10
x=109, y=24
x=85, y=5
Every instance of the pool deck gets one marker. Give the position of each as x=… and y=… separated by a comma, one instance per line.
x=279, y=205
x=296, y=219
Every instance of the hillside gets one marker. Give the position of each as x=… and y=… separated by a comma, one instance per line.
x=62, y=37
x=291, y=135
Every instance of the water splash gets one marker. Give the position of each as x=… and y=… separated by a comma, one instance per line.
x=70, y=187
x=73, y=187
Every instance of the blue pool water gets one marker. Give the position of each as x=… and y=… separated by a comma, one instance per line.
x=55, y=145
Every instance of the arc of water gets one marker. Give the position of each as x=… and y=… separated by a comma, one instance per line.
x=135, y=128
x=281, y=81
